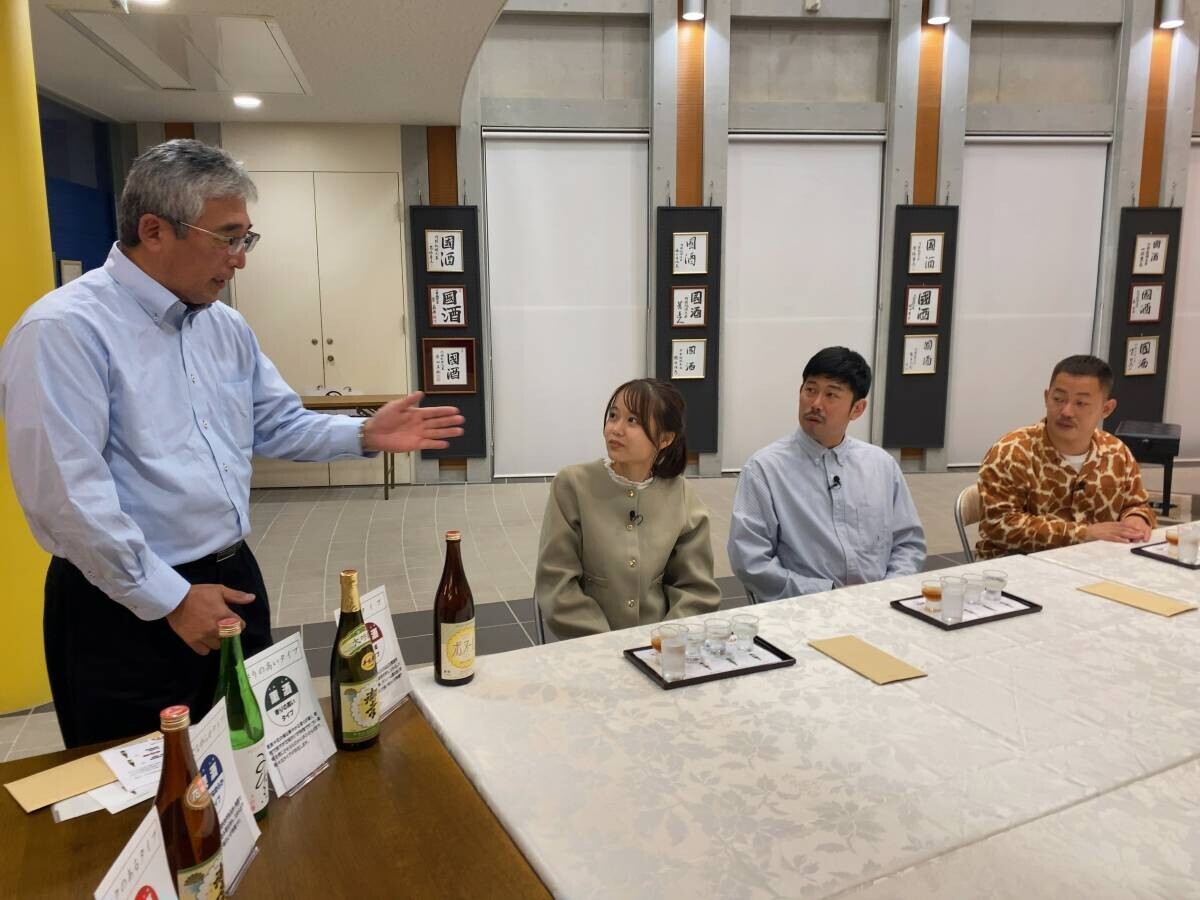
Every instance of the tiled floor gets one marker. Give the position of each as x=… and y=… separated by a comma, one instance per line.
x=304, y=537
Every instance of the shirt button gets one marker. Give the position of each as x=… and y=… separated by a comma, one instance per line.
x=633, y=564
x=193, y=379
x=633, y=493
x=204, y=423
x=225, y=467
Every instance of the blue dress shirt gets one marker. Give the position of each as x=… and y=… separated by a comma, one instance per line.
x=807, y=518
x=131, y=420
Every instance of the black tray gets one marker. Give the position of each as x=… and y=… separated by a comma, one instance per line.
x=781, y=661
x=1142, y=551
x=1031, y=607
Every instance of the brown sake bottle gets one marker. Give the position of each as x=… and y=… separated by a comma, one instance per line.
x=453, y=620
x=191, y=831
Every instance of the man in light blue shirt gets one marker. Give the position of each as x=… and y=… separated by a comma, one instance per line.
x=132, y=404
x=819, y=510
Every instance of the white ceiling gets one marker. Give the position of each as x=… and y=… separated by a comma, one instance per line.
x=402, y=61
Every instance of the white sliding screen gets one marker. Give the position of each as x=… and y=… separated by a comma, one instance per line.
x=801, y=273
x=1183, y=369
x=1028, y=254
x=567, y=238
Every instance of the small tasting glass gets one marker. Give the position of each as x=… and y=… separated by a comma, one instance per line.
x=745, y=629
x=931, y=590
x=716, y=637
x=994, y=583
x=953, y=588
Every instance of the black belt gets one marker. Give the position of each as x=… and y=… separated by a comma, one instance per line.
x=228, y=552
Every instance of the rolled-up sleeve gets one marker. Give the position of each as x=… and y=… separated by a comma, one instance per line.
x=54, y=399
x=908, y=537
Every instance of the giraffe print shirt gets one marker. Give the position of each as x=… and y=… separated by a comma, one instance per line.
x=1032, y=499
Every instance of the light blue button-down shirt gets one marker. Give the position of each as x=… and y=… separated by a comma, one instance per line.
x=131, y=419
x=808, y=519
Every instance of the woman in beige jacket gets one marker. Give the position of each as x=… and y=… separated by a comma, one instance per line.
x=624, y=539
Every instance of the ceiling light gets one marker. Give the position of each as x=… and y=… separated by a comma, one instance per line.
x=151, y=2
x=1172, y=14
x=693, y=10
x=245, y=101
x=939, y=12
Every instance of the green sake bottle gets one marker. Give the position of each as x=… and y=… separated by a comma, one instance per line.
x=245, y=718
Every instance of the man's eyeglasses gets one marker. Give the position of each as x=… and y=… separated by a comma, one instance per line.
x=241, y=244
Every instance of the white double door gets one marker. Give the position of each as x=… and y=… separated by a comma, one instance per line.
x=325, y=294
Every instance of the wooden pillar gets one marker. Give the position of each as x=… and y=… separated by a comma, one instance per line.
x=689, y=105
x=929, y=111
x=1157, y=91
x=441, y=150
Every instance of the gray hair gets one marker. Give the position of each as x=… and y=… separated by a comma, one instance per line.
x=174, y=180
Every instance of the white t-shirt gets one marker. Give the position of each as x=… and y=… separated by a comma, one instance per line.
x=1076, y=462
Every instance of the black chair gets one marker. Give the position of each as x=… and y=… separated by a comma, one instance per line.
x=1153, y=442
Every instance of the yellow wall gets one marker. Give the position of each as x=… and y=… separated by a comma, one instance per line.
x=27, y=265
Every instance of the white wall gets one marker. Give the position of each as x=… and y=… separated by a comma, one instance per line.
x=1183, y=371
x=801, y=264
x=567, y=236
x=1025, y=293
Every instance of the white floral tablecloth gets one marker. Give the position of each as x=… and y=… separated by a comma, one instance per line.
x=1118, y=562
x=811, y=780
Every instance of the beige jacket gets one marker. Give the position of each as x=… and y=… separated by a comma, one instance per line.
x=600, y=570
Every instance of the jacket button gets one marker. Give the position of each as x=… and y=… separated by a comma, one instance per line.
x=630, y=603
x=629, y=527
x=633, y=493
x=633, y=564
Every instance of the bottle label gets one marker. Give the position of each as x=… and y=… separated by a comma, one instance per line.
x=203, y=882
x=197, y=795
x=252, y=772
x=360, y=710
x=458, y=650
x=354, y=641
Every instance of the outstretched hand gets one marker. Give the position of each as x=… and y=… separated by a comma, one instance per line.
x=402, y=425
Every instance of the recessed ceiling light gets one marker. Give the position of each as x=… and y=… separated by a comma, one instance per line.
x=151, y=2
x=245, y=101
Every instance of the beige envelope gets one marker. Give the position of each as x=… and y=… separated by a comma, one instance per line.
x=1131, y=596
x=865, y=659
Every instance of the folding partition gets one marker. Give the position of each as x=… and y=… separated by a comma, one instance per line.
x=567, y=253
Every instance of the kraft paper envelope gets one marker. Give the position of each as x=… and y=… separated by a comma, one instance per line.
x=1131, y=596
x=865, y=659
x=68, y=780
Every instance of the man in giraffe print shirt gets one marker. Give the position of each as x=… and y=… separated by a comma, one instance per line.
x=1063, y=481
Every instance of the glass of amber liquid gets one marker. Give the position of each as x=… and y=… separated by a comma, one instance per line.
x=931, y=590
x=1173, y=543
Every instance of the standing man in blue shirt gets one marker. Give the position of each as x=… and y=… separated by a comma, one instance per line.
x=133, y=403
x=819, y=510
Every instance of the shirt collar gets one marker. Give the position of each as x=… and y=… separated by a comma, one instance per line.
x=815, y=450
x=1095, y=447
x=157, y=302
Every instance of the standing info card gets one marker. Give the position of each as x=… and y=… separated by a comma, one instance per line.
x=298, y=740
x=141, y=871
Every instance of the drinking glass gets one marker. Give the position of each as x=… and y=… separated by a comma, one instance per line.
x=716, y=637
x=973, y=590
x=694, y=651
x=953, y=589
x=931, y=590
x=745, y=629
x=1173, y=543
x=674, y=641
x=994, y=583
x=656, y=639
x=1189, y=544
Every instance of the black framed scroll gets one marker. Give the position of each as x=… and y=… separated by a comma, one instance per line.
x=446, y=335
x=1142, y=311
x=922, y=306
x=687, y=314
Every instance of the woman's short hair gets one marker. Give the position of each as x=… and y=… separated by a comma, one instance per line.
x=174, y=180
x=660, y=409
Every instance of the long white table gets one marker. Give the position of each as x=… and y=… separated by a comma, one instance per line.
x=811, y=780
x=1117, y=562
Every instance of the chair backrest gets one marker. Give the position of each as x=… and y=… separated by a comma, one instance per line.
x=968, y=510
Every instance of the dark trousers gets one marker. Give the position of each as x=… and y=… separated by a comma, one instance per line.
x=111, y=673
